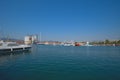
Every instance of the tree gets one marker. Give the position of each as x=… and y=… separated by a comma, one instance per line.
x=107, y=41
x=118, y=42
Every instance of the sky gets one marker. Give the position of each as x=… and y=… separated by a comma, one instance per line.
x=59, y=20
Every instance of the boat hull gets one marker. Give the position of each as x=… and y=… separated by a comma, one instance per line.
x=18, y=49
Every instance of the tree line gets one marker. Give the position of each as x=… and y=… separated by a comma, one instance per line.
x=106, y=42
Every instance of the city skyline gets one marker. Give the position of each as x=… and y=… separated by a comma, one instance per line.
x=59, y=20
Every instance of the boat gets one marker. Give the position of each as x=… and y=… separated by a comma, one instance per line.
x=77, y=44
x=6, y=47
x=68, y=44
x=87, y=44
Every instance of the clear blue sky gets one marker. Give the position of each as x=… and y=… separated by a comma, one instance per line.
x=79, y=20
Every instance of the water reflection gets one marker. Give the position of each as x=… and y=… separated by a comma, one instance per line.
x=87, y=50
x=7, y=56
x=14, y=53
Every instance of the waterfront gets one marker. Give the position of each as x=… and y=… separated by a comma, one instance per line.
x=46, y=62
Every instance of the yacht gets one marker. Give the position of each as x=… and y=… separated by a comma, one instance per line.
x=68, y=44
x=13, y=47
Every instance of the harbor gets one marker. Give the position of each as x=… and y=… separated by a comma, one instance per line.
x=29, y=40
x=59, y=39
x=9, y=46
x=48, y=62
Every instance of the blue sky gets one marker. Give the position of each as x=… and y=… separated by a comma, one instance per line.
x=79, y=20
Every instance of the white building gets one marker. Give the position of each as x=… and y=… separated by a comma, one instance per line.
x=30, y=39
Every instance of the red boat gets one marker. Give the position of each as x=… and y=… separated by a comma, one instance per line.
x=77, y=44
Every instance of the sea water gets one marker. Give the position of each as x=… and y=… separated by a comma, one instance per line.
x=62, y=63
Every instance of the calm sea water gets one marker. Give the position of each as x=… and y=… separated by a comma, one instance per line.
x=62, y=63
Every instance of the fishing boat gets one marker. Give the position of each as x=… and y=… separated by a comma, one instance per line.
x=6, y=47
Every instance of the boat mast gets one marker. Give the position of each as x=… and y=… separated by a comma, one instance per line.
x=40, y=37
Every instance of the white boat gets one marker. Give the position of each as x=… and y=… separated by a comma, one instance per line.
x=13, y=47
x=87, y=44
x=68, y=44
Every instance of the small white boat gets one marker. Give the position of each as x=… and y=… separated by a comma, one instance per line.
x=68, y=44
x=87, y=44
x=13, y=47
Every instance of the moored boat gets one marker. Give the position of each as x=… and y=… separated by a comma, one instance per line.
x=6, y=47
x=77, y=44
